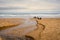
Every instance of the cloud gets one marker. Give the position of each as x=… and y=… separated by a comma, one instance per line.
x=53, y=1
x=11, y=8
x=29, y=6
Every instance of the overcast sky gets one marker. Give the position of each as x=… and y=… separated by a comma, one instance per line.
x=29, y=6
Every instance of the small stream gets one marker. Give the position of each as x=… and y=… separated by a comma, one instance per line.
x=28, y=24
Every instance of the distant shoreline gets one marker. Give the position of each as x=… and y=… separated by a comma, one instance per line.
x=29, y=16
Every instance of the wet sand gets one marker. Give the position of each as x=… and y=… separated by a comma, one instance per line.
x=20, y=30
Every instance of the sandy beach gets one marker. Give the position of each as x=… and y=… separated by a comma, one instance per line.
x=51, y=29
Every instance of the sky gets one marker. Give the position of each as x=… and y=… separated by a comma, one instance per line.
x=29, y=6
